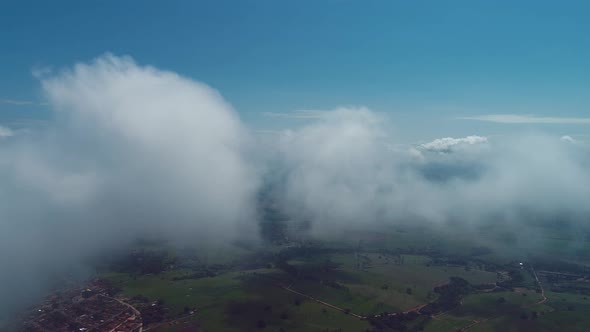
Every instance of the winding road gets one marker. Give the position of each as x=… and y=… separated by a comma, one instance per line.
x=543, y=297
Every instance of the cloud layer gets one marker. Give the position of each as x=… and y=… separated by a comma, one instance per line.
x=130, y=150
x=342, y=173
x=5, y=132
x=22, y=102
x=445, y=144
x=518, y=118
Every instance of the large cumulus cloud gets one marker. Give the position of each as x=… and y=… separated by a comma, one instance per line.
x=129, y=150
x=343, y=172
x=447, y=143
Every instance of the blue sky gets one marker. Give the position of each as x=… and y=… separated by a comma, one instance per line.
x=424, y=63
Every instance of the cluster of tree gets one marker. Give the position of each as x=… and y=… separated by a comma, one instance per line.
x=560, y=277
x=571, y=288
x=401, y=322
x=309, y=251
x=449, y=296
x=516, y=279
x=450, y=260
x=410, y=251
x=548, y=264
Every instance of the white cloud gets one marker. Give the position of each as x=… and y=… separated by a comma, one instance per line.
x=5, y=132
x=415, y=153
x=342, y=173
x=568, y=139
x=22, y=102
x=299, y=114
x=40, y=72
x=517, y=118
x=134, y=150
x=446, y=143
x=156, y=125
x=333, y=168
x=269, y=132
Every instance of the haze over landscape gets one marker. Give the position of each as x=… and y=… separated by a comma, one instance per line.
x=304, y=143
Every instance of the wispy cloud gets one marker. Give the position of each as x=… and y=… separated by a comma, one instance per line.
x=22, y=102
x=268, y=132
x=527, y=118
x=446, y=143
x=5, y=132
x=299, y=114
x=568, y=138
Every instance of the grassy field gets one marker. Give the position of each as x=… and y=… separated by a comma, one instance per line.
x=379, y=283
x=446, y=323
x=236, y=302
x=488, y=305
x=366, y=283
x=386, y=281
x=241, y=300
x=562, y=312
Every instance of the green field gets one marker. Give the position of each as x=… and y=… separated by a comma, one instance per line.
x=390, y=271
x=562, y=312
x=236, y=301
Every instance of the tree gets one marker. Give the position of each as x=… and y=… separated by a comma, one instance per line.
x=261, y=324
